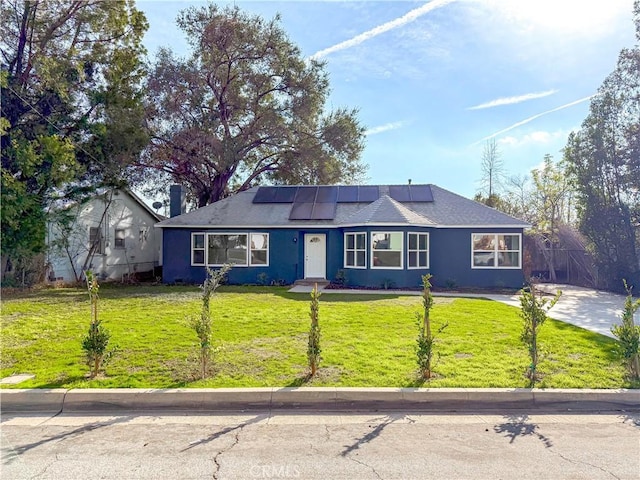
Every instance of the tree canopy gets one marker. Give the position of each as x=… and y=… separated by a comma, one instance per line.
x=244, y=108
x=603, y=158
x=71, y=106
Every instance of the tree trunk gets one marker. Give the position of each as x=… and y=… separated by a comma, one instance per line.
x=552, y=264
x=635, y=367
x=96, y=366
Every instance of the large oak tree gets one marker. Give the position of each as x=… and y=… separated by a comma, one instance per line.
x=245, y=108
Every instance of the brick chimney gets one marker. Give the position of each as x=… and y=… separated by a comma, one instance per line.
x=177, y=201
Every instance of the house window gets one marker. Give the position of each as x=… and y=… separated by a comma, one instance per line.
x=118, y=241
x=96, y=240
x=259, y=255
x=228, y=248
x=387, y=249
x=497, y=250
x=418, y=251
x=143, y=235
x=197, y=249
x=355, y=250
x=239, y=249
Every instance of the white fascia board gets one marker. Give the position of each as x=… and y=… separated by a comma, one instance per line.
x=247, y=227
x=354, y=225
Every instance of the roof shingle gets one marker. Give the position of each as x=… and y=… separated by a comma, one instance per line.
x=447, y=210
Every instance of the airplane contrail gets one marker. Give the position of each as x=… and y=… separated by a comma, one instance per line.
x=385, y=27
x=527, y=120
x=511, y=100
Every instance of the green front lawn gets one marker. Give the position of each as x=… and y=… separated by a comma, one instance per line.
x=261, y=336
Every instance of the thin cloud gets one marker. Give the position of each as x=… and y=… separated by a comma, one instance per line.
x=538, y=137
x=530, y=119
x=384, y=128
x=385, y=27
x=512, y=100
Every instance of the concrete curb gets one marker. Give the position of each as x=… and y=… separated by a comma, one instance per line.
x=314, y=398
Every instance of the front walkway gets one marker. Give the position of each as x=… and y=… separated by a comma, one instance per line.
x=584, y=307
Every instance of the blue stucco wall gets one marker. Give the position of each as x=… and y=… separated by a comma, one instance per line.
x=285, y=260
x=449, y=255
x=451, y=261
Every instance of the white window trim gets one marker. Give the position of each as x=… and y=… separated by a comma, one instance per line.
x=375, y=267
x=417, y=250
x=259, y=249
x=193, y=249
x=249, y=249
x=355, y=251
x=496, y=251
x=115, y=239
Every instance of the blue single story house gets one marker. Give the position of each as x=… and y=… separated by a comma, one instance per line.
x=371, y=235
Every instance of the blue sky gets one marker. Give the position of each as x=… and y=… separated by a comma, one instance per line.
x=434, y=80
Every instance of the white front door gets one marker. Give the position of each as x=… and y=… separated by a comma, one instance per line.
x=315, y=255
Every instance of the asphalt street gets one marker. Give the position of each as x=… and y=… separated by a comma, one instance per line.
x=308, y=445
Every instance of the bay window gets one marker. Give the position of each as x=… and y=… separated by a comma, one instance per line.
x=355, y=250
x=387, y=249
x=418, y=251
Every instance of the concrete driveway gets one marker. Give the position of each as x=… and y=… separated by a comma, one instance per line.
x=584, y=307
x=587, y=308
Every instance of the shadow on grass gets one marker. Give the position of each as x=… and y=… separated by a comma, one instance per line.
x=63, y=381
x=300, y=381
x=417, y=382
x=519, y=426
x=337, y=297
x=113, y=291
x=57, y=294
x=115, y=381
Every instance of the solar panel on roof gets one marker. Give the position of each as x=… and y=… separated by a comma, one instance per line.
x=400, y=193
x=421, y=193
x=306, y=194
x=323, y=211
x=275, y=195
x=301, y=211
x=347, y=194
x=265, y=195
x=327, y=195
x=285, y=194
x=368, y=193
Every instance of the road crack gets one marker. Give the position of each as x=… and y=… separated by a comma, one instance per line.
x=579, y=462
x=364, y=465
x=44, y=470
x=216, y=458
